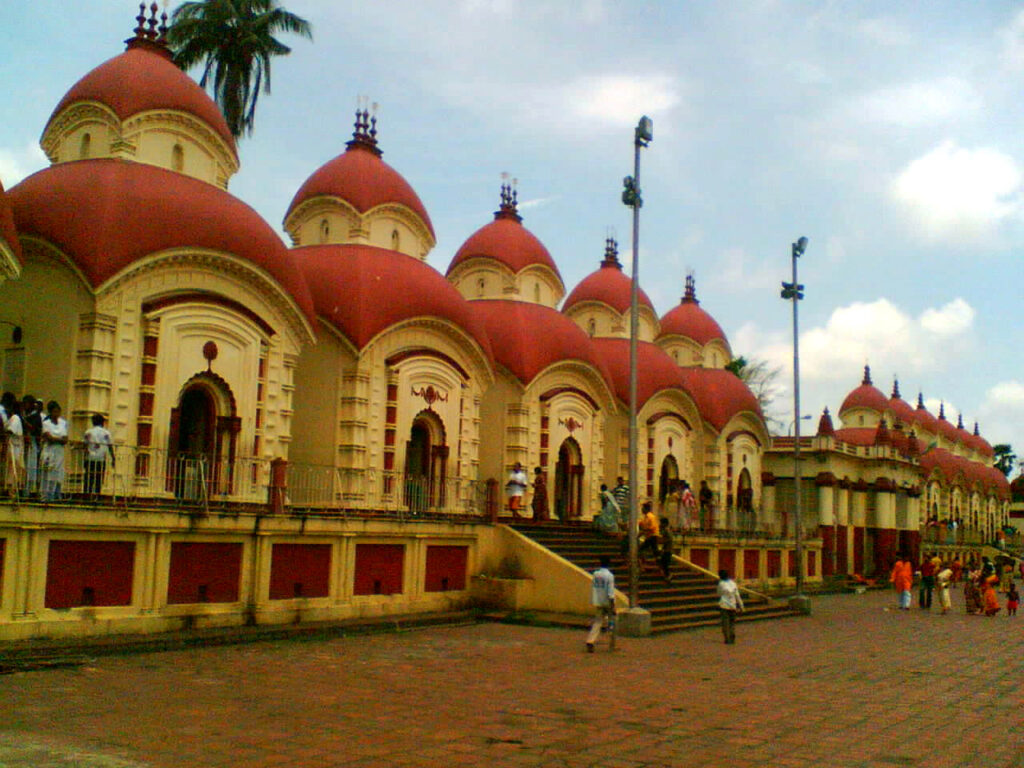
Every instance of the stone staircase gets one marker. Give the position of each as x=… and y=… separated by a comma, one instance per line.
x=689, y=601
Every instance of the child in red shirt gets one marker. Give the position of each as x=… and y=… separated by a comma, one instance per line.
x=1012, y=600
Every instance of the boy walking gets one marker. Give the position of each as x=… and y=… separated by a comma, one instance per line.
x=729, y=604
x=602, y=597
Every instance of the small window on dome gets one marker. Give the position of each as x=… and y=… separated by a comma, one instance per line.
x=396, y=240
x=591, y=326
x=325, y=231
x=85, y=147
x=675, y=355
x=861, y=419
x=481, y=287
x=177, y=158
x=536, y=292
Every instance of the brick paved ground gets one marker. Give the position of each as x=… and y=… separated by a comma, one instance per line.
x=852, y=685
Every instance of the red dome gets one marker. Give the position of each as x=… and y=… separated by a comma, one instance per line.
x=362, y=290
x=105, y=214
x=608, y=285
x=857, y=435
x=690, y=321
x=720, y=394
x=925, y=420
x=528, y=338
x=865, y=396
x=505, y=240
x=656, y=371
x=905, y=414
x=8, y=233
x=948, y=464
x=946, y=428
x=360, y=178
x=145, y=78
x=508, y=242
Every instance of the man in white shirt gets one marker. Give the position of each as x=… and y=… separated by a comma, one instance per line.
x=729, y=604
x=602, y=597
x=98, y=445
x=516, y=488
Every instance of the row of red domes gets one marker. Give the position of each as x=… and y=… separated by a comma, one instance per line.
x=869, y=397
x=105, y=214
x=907, y=444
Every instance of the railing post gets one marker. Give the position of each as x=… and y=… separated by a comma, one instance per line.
x=278, y=485
x=491, y=500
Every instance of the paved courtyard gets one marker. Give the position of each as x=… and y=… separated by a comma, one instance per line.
x=851, y=685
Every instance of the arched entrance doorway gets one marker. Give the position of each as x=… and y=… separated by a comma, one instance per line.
x=569, y=480
x=667, y=477
x=745, y=501
x=426, y=460
x=202, y=439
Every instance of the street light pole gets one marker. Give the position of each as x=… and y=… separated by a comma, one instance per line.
x=794, y=292
x=642, y=136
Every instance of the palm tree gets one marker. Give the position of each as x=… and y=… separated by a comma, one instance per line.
x=234, y=41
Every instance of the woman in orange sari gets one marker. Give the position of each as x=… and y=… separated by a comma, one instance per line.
x=902, y=577
x=989, y=599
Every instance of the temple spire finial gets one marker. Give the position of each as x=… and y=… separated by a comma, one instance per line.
x=365, y=134
x=690, y=291
x=509, y=208
x=942, y=410
x=920, y=401
x=959, y=421
x=150, y=30
x=895, y=389
x=867, y=376
x=976, y=432
x=611, y=253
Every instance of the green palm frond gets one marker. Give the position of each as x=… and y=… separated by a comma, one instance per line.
x=234, y=42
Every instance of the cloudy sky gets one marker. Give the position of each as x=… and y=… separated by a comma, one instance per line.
x=888, y=133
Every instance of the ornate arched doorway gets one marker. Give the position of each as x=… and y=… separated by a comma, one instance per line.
x=667, y=477
x=569, y=480
x=426, y=460
x=202, y=439
x=745, y=501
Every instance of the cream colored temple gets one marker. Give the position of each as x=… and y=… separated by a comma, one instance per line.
x=323, y=429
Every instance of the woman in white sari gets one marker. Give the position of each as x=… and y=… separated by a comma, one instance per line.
x=51, y=460
x=15, y=465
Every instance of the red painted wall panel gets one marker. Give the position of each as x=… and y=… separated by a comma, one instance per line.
x=3, y=551
x=751, y=563
x=700, y=557
x=812, y=564
x=858, y=550
x=89, y=573
x=842, y=561
x=727, y=561
x=791, y=556
x=300, y=570
x=774, y=563
x=204, y=572
x=446, y=568
x=379, y=569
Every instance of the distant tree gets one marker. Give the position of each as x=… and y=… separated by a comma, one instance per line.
x=761, y=378
x=234, y=41
x=1005, y=458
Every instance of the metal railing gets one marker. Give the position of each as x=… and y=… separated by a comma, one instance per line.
x=143, y=476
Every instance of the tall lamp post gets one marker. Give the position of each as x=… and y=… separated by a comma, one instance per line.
x=794, y=292
x=642, y=136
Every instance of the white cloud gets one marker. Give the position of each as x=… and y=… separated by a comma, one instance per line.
x=1002, y=414
x=878, y=333
x=921, y=103
x=885, y=31
x=957, y=193
x=955, y=317
x=1013, y=43
x=620, y=99
x=16, y=164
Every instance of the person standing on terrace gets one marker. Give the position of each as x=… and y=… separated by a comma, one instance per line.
x=54, y=437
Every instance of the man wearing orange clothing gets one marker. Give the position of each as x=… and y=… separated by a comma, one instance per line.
x=649, y=530
x=902, y=578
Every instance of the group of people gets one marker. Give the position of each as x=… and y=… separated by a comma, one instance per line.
x=980, y=582
x=33, y=442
